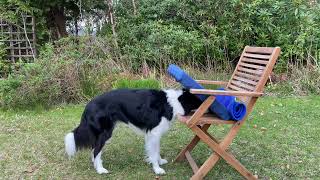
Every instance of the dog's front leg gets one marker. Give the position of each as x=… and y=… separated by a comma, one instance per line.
x=152, y=145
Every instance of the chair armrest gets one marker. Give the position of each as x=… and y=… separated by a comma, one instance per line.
x=226, y=93
x=212, y=82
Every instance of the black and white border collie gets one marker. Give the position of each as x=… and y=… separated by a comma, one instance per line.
x=149, y=111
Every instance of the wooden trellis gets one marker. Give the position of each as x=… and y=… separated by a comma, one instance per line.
x=19, y=39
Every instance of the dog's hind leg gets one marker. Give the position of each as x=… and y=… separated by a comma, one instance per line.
x=97, y=161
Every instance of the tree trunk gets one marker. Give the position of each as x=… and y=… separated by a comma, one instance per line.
x=57, y=22
x=76, y=29
x=134, y=8
x=112, y=22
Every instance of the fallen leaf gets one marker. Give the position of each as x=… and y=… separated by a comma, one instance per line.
x=30, y=169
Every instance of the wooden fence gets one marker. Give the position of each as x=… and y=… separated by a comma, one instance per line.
x=19, y=39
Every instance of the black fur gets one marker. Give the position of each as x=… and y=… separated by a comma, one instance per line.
x=142, y=108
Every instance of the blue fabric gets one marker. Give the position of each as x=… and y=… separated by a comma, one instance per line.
x=225, y=107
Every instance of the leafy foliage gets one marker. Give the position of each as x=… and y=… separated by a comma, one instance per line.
x=204, y=36
x=211, y=32
x=72, y=70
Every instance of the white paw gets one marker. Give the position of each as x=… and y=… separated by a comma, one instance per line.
x=102, y=171
x=162, y=161
x=159, y=171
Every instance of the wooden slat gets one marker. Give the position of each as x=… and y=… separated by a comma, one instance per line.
x=227, y=93
x=235, y=87
x=215, y=121
x=241, y=74
x=19, y=48
x=16, y=56
x=243, y=85
x=257, y=72
x=245, y=80
x=212, y=82
x=257, y=56
x=15, y=40
x=251, y=66
x=256, y=61
x=191, y=161
x=206, y=119
x=28, y=32
x=274, y=56
x=261, y=50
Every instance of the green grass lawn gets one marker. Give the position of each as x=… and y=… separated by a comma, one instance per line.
x=279, y=141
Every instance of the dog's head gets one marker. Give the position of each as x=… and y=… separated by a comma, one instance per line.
x=189, y=101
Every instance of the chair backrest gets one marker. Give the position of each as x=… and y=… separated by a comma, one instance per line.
x=253, y=69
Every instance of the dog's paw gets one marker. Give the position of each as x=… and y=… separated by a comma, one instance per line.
x=102, y=171
x=159, y=171
x=163, y=161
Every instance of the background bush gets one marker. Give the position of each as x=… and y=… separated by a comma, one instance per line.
x=205, y=38
x=215, y=32
x=71, y=70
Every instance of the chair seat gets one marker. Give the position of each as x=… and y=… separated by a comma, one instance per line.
x=207, y=118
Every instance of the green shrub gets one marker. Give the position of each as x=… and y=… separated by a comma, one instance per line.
x=71, y=70
x=215, y=32
x=137, y=84
x=159, y=44
x=8, y=89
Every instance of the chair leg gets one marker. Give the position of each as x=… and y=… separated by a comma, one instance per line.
x=214, y=158
x=205, y=168
x=207, y=165
x=225, y=155
x=181, y=156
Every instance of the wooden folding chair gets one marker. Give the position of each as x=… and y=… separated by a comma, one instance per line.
x=246, y=83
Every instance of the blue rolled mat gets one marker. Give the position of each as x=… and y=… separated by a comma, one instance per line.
x=225, y=107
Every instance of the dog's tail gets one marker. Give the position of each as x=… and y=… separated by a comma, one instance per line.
x=70, y=144
x=81, y=137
